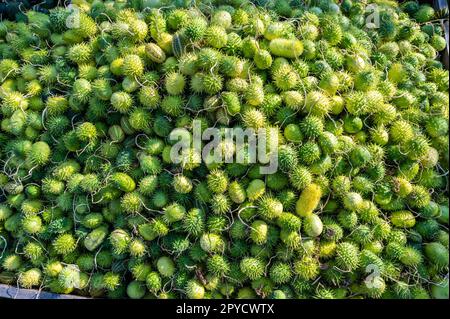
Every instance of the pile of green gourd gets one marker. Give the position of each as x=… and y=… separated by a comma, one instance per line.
x=92, y=204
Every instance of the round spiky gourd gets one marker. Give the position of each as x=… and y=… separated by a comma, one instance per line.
x=262, y=59
x=254, y=119
x=85, y=262
x=280, y=273
x=211, y=242
x=65, y=170
x=56, y=105
x=258, y=232
x=231, y=102
x=140, y=271
x=31, y=207
x=410, y=257
x=289, y=222
x=271, y=104
x=104, y=259
x=353, y=201
x=80, y=53
x=30, y=278
x=366, y=80
x=254, y=95
x=329, y=83
x=217, y=181
x=208, y=58
x=39, y=153
x=12, y=102
x=172, y=105
x=33, y=251
x=269, y=207
x=149, y=96
x=121, y=101
x=182, y=184
x=195, y=29
x=81, y=90
x=287, y=157
x=52, y=187
x=194, y=290
x=311, y=126
x=86, y=132
x=132, y=66
x=140, y=119
x=331, y=30
x=356, y=103
x=327, y=249
x=58, y=17
x=119, y=240
x=401, y=131
x=277, y=181
x=174, y=83
x=317, y=104
x=362, y=234
x=111, y=281
x=419, y=197
x=300, y=177
x=187, y=64
x=220, y=204
x=218, y=265
x=216, y=36
x=306, y=268
x=236, y=85
x=436, y=126
x=150, y=164
x=309, y=153
x=437, y=254
x=238, y=230
x=87, y=26
x=173, y=213
x=32, y=224
x=9, y=68
x=285, y=78
x=137, y=248
x=403, y=219
x=194, y=222
x=236, y=192
x=153, y=282
x=293, y=100
x=12, y=262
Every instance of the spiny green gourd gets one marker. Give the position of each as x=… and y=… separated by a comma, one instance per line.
x=93, y=203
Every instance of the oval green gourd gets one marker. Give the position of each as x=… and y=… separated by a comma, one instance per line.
x=286, y=48
x=308, y=200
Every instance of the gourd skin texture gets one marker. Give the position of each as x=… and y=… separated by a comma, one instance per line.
x=308, y=200
x=92, y=203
